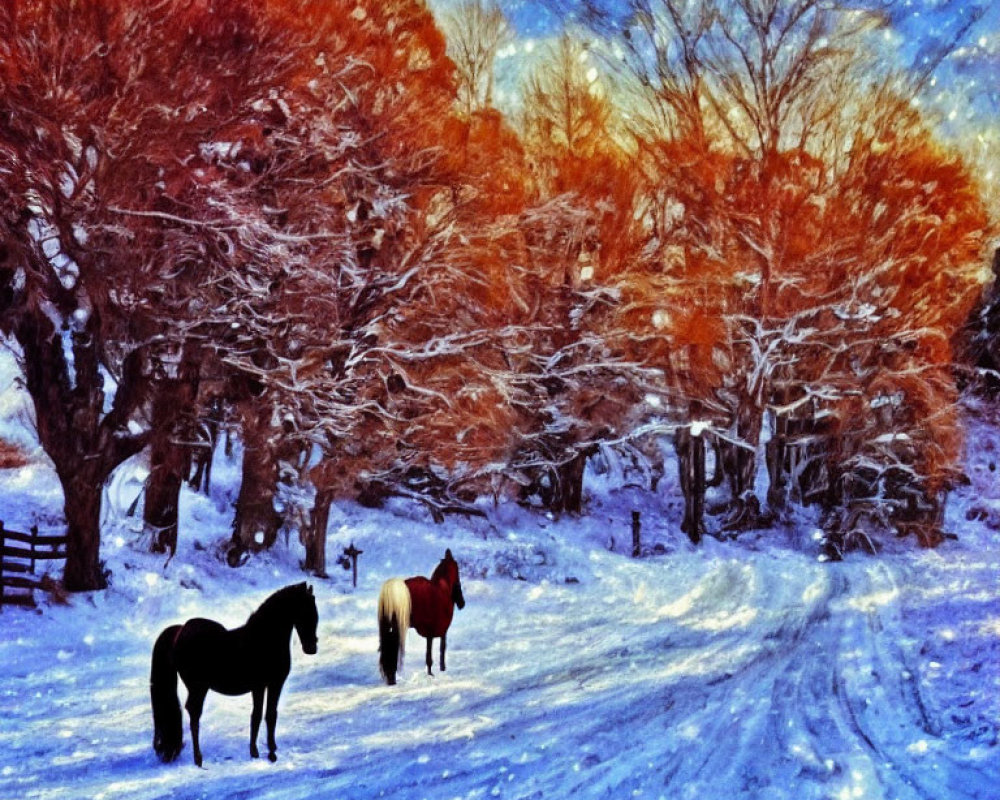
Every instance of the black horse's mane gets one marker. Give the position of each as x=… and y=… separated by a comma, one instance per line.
x=276, y=602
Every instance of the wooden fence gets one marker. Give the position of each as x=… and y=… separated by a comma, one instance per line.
x=19, y=553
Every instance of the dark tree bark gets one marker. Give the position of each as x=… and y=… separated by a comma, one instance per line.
x=690, y=451
x=256, y=523
x=84, y=571
x=776, y=454
x=314, y=536
x=740, y=464
x=160, y=510
x=84, y=443
x=172, y=431
x=202, y=454
x=559, y=488
x=570, y=484
x=718, y=467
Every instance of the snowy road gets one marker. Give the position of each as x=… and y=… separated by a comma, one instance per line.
x=698, y=675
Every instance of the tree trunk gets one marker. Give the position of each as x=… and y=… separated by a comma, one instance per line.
x=740, y=461
x=201, y=456
x=83, y=571
x=570, y=491
x=691, y=469
x=256, y=523
x=314, y=537
x=718, y=467
x=776, y=455
x=84, y=443
x=173, y=408
x=160, y=510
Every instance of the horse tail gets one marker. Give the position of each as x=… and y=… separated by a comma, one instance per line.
x=167, y=722
x=393, y=624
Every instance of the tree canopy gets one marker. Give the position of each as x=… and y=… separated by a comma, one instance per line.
x=736, y=233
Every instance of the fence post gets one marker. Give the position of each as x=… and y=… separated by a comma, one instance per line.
x=34, y=545
x=636, y=539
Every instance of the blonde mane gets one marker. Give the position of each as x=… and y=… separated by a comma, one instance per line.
x=394, y=599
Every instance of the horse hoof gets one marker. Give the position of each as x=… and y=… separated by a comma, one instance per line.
x=272, y=757
x=255, y=753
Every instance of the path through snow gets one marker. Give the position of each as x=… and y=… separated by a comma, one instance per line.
x=695, y=675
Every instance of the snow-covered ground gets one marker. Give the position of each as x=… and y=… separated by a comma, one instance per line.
x=748, y=669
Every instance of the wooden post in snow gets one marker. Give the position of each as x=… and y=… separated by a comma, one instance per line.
x=352, y=553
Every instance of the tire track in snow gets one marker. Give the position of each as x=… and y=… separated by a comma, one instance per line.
x=845, y=717
x=737, y=630
x=742, y=727
x=880, y=695
x=842, y=715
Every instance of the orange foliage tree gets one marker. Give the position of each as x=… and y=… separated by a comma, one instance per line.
x=675, y=293
x=239, y=191
x=776, y=287
x=577, y=384
x=909, y=228
x=834, y=344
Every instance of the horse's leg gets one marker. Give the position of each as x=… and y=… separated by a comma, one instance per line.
x=255, y=718
x=195, y=703
x=271, y=716
x=444, y=644
x=430, y=644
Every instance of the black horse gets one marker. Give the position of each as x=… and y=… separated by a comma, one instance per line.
x=254, y=658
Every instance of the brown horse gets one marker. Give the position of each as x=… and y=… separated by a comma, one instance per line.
x=254, y=658
x=427, y=605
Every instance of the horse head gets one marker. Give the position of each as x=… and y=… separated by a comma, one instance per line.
x=448, y=569
x=306, y=619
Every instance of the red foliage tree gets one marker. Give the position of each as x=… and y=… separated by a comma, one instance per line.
x=149, y=204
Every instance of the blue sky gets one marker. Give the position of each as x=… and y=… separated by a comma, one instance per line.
x=966, y=83
x=973, y=69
